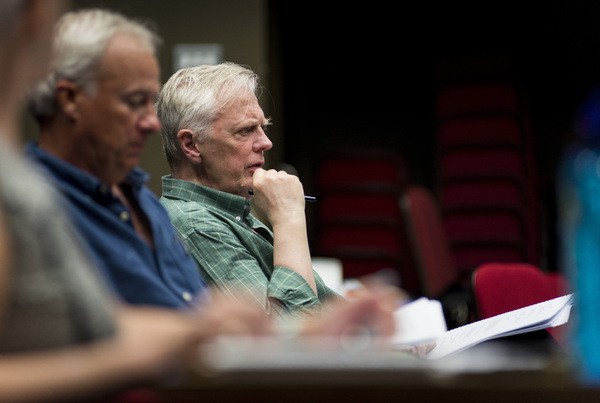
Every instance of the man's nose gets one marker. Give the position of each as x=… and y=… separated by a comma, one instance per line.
x=150, y=123
x=264, y=142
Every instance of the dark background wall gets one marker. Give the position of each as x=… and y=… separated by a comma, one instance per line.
x=366, y=73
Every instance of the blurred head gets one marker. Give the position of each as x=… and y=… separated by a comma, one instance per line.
x=212, y=122
x=101, y=90
x=80, y=39
x=25, y=44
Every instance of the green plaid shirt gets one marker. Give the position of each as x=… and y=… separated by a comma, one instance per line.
x=234, y=250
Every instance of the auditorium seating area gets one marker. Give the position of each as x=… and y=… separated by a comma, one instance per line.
x=482, y=206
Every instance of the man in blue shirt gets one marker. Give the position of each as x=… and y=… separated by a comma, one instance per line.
x=96, y=111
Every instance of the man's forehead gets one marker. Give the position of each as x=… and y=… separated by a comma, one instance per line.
x=241, y=106
x=125, y=54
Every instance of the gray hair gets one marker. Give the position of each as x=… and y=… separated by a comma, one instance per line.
x=191, y=98
x=79, y=43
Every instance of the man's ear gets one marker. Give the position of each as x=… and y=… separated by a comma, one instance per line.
x=188, y=146
x=66, y=98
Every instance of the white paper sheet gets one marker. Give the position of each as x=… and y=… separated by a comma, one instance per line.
x=551, y=313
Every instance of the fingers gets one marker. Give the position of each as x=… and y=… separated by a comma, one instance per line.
x=221, y=315
x=421, y=350
x=278, y=196
x=383, y=285
x=154, y=341
x=277, y=183
x=363, y=315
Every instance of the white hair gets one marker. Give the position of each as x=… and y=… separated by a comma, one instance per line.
x=191, y=98
x=79, y=43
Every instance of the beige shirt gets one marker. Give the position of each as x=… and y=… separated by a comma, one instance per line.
x=56, y=297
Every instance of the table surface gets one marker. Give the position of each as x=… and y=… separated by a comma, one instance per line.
x=492, y=372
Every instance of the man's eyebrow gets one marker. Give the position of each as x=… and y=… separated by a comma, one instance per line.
x=140, y=92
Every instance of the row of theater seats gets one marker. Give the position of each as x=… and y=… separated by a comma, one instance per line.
x=359, y=220
x=486, y=171
x=371, y=218
x=482, y=207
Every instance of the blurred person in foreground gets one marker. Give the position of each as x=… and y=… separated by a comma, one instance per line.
x=214, y=137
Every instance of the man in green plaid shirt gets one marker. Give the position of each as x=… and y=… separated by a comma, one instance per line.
x=213, y=133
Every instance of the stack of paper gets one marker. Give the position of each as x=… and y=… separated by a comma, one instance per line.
x=551, y=313
x=420, y=322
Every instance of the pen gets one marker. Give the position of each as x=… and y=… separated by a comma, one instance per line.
x=307, y=198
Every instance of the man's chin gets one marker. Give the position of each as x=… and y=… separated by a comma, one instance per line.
x=246, y=191
x=118, y=176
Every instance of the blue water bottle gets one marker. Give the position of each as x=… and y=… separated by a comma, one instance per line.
x=578, y=202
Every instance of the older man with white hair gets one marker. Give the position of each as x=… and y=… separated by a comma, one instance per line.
x=214, y=139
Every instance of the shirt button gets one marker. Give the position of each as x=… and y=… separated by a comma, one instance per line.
x=238, y=218
x=124, y=216
x=187, y=296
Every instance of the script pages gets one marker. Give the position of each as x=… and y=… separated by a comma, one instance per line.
x=551, y=313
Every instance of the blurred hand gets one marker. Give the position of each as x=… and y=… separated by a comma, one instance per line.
x=155, y=341
x=221, y=315
x=420, y=350
x=368, y=313
x=381, y=284
x=160, y=342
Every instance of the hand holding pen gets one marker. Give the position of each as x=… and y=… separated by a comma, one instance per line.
x=278, y=197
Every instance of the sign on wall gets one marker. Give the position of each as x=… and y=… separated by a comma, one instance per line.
x=189, y=55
